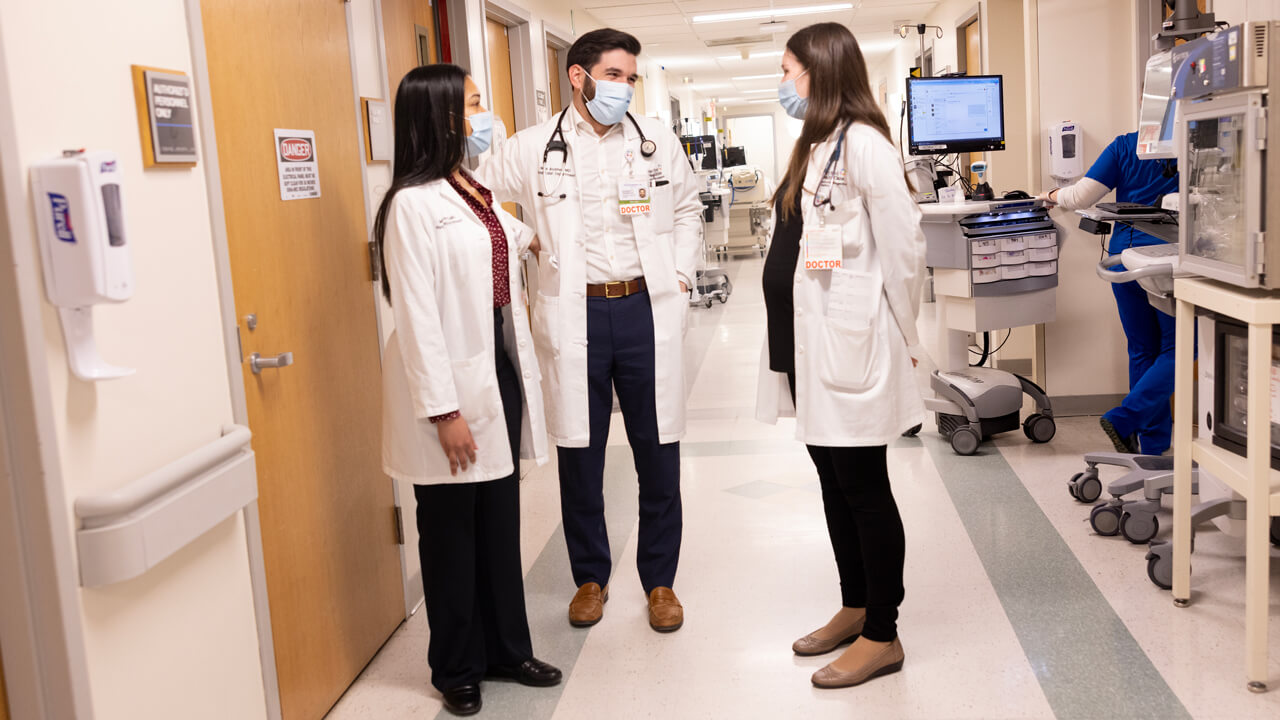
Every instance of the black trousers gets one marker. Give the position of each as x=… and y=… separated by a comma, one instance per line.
x=866, y=531
x=469, y=542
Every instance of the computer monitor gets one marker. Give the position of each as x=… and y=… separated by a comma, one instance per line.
x=735, y=156
x=955, y=114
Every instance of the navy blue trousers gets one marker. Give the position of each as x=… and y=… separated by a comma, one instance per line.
x=620, y=358
x=1150, y=334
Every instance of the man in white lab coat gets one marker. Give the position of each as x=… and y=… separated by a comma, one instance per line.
x=615, y=206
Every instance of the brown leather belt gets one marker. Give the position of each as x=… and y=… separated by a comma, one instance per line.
x=617, y=289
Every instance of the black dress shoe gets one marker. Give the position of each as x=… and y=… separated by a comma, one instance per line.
x=532, y=672
x=463, y=700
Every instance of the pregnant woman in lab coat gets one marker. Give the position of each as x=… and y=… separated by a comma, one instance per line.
x=842, y=285
x=461, y=399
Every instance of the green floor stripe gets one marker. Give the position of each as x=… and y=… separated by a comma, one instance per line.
x=1087, y=662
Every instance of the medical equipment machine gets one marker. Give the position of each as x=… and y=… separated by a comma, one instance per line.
x=712, y=283
x=1156, y=115
x=924, y=177
x=750, y=211
x=1221, y=82
x=993, y=269
x=1066, y=152
x=955, y=114
x=79, y=209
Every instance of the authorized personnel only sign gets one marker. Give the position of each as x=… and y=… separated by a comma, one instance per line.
x=297, y=165
x=169, y=104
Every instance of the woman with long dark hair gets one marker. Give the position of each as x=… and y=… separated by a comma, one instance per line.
x=842, y=284
x=460, y=385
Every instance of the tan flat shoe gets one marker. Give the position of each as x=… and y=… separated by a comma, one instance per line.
x=812, y=644
x=665, y=612
x=887, y=661
x=587, y=606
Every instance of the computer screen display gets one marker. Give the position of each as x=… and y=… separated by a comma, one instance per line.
x=955, y=114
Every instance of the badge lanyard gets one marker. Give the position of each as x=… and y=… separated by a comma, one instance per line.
x=824, y=246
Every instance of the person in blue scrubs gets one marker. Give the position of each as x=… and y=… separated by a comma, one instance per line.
x=1143, y=422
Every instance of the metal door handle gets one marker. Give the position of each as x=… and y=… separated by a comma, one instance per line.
x=257, y=363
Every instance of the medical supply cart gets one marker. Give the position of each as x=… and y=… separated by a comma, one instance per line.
x=1250, y=475
x=995, y=266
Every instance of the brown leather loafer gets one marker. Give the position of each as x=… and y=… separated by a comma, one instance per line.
x=812, y=644
x=587, y=606
x=665, y=612
x=886, y=662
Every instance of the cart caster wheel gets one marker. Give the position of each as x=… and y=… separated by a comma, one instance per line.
x=708, y=302
x=1139, y=528
x=1160, y=568
x=965, y=441
x=1039, y=428
x=1105, y=519
x=1257, y=687
x=1089, y=487
x=1072, y=485
x=913, y=431
x=724, y=299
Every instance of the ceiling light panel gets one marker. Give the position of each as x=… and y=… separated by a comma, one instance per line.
x=767, y=13
x=609, y=14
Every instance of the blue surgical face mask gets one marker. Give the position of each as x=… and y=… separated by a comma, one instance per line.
x=610, y=104
x=481, y=133
x=795, y=105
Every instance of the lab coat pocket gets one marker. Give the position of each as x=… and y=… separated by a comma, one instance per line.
x=849, y=215
x=662, y=209
x=848, y=357
x=849, y=337
x=476, y=382
x=545, y=319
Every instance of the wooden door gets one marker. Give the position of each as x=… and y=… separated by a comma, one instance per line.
x=973, y=66
x=4, y=700
x=504, y=103
x=403, y=24
x=302, y=268
x=553, y=78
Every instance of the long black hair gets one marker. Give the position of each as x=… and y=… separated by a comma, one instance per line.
x=430, y=106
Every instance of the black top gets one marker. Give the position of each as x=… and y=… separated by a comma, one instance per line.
x=779, y=282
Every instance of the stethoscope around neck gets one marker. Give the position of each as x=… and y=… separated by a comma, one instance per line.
x=556, y=144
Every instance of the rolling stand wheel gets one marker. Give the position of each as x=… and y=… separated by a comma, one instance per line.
x=1039, y=428
x=1139, y=528
x=1085, y=487
x=723, y=299
x=708, y=301
x=913, y=431
x=1160, y=565
x=965, y=441
x=1105, y=519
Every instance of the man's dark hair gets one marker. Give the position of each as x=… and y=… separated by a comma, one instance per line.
x=588, y=48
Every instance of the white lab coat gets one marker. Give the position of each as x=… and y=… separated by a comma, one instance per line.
x=670, y=245
x=855, y=385
x=440, y=358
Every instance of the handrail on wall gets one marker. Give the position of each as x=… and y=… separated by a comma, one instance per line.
x=99, y=510
x=128, y=531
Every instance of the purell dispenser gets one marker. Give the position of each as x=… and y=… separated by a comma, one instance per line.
x=80, y=215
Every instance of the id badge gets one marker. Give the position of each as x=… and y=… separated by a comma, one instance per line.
x=633, y=197
x=823, y=249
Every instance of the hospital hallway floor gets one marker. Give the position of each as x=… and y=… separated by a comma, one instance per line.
x=1014, y=607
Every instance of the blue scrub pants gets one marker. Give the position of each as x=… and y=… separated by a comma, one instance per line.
x=1145, y=410
x=620, y=357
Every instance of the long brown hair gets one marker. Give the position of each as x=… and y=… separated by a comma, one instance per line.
x=839, y=94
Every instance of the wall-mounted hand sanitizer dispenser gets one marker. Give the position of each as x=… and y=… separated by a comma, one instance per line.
x=80, y=216
x=1066, y=152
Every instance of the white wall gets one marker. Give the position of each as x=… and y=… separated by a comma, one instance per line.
x=1238, y=11
x=1085, y=347
x=181, y=640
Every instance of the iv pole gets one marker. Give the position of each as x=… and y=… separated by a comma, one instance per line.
x=904, y=30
